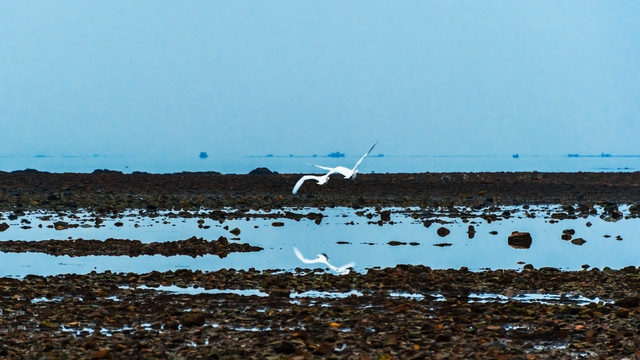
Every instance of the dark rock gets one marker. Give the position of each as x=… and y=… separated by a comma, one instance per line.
x=261, y=171
x=28, y=171
x=277, y=223
x=520, y=240
x=284, y=347
x=396, y=243
x=442, y=244
x=615, y=215
x=235, y=231
x=622, y=312
x=4, y=226
x=611, y=212
x=324, y=348
x=628, y=302
x=562, y=216
x=471, y=232
x=443, y=336
x=550, y=269
x=316, y=217
x=385, y=215
x=172, y=324
x=61, y=225
x=193, y=319
x=490, y=217
x=100, y=354
x=578, y=241
x=280, y=292
x=443, y=231
x=106, y=171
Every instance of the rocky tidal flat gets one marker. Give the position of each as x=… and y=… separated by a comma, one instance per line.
x=398, y=312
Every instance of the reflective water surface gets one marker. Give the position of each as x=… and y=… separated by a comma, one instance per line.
x=344, y=234
x=376, y=162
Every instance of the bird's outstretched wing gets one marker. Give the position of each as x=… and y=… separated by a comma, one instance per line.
x=338, y=169
x=344, y=269
x=319, y=179
x=340, y=270
x=323, y=167
x=299, y=255
x=364, y=156
x=297, y=186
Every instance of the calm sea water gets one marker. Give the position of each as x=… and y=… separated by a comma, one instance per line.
x=300, y=164
x=342, y=234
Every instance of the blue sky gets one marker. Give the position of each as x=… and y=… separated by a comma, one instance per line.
x=304, y=77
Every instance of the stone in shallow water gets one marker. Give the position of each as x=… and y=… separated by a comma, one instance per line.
x=396, y=243
x=442, y=244
x=578, y=241
x=443, y=231
x=471, y=231
x=385, y=215
x=520, y=240
x=61, y=225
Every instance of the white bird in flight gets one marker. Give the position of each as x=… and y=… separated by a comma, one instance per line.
x=323, y=259
x=321, y=180
x=346, y=172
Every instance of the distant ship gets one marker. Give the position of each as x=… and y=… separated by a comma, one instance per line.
x=515, y=156
x=573, y=155
x=336, y=154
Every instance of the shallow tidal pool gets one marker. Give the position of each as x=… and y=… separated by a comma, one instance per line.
x=364, y=236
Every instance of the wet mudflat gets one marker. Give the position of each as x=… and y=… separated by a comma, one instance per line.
x=401, y=311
